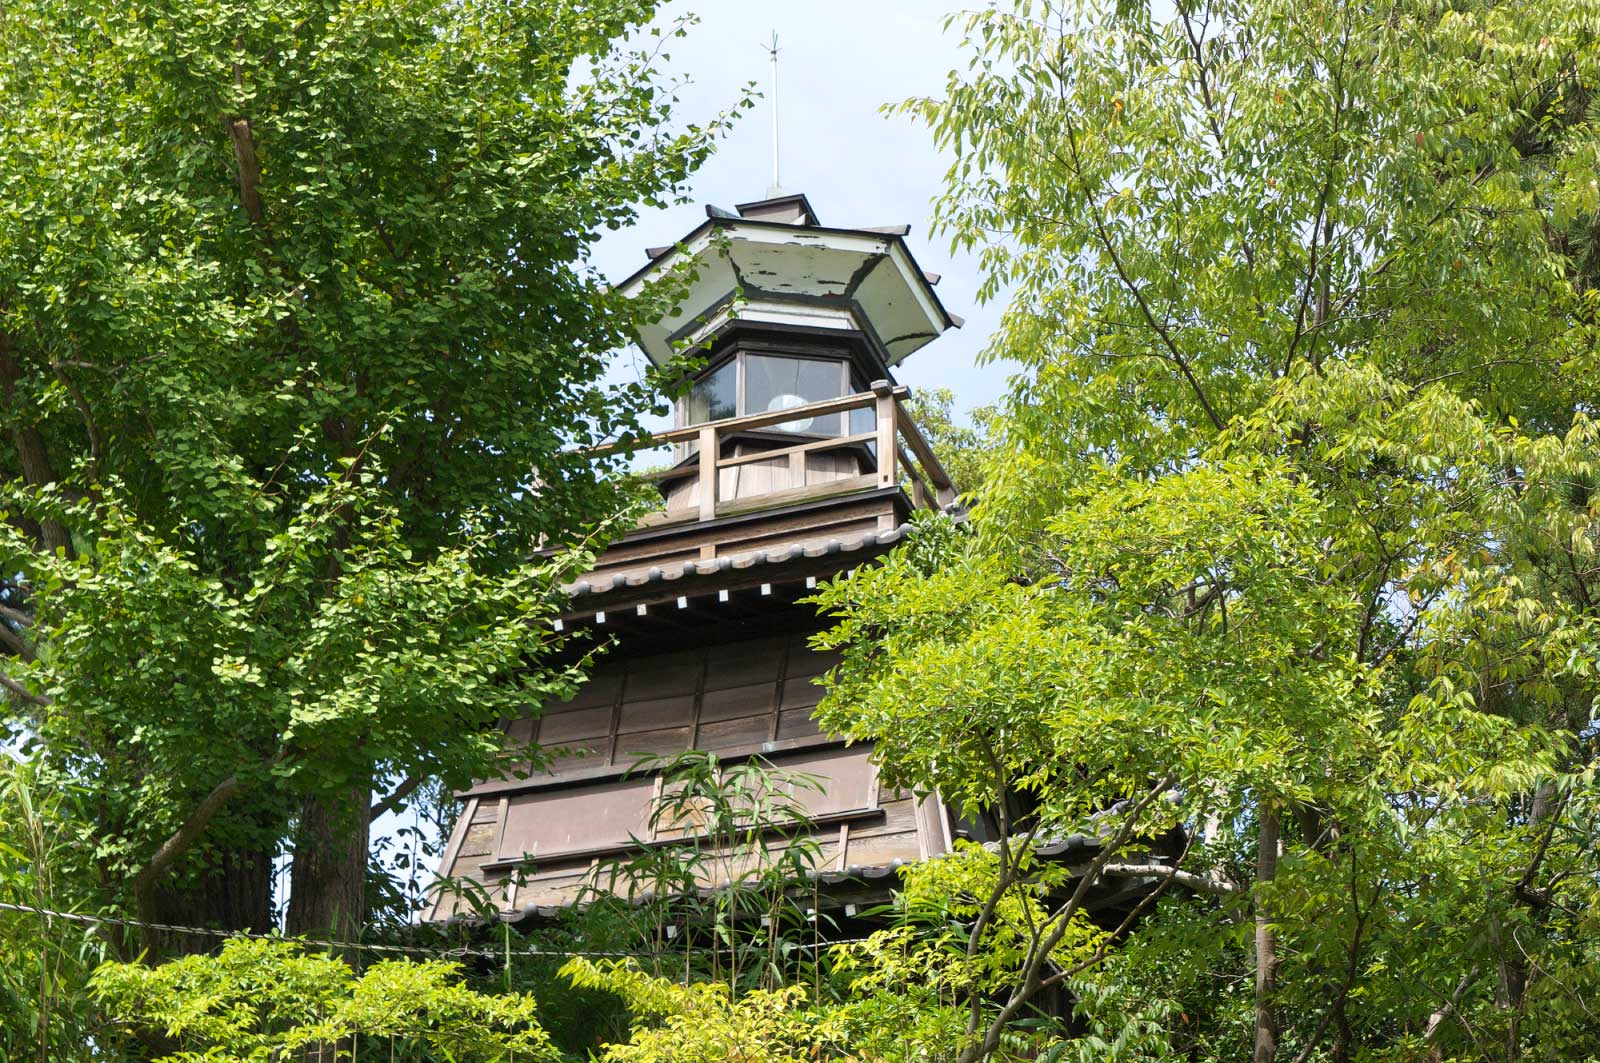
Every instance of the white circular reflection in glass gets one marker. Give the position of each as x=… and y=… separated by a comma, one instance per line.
x=789, y=401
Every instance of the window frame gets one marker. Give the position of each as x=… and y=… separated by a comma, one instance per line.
x=851, y=382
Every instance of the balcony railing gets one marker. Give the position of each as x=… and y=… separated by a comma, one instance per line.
x=893, y=453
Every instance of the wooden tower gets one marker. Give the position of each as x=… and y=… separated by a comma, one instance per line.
x=795, y=461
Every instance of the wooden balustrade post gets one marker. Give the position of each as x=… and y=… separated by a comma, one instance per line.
x=708, y=473
x=886, y=409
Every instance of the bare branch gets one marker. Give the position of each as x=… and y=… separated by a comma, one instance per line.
x=1210, y=882
x=1060, y=922
x=401, y=792
x=23, y=692
x=180, y=842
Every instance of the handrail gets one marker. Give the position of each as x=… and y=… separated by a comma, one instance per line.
x=893, y=433
x=752, y=421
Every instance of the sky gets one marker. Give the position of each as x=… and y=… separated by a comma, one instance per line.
x=839, y=63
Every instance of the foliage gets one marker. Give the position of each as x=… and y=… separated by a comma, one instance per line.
x=899, y=994
x=1289, y=535
x=44, y=961
x=734, y=877
x=296, y=341
x=259, y=1000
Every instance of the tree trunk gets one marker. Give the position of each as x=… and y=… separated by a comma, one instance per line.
x=32, y=454
x=328, y=879
x=1266, y=1046
x=234, y=895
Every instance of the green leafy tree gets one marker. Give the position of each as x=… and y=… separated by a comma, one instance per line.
x=898, y=995
x=1290, y=533
x=296, y=337
x=269, y=1000
x=959, y=447
x=44, y=959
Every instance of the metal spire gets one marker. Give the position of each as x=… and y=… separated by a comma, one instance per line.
x=776, y=188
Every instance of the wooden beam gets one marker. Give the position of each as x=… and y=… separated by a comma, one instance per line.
x=921, y=497
x=751, y=422
x=826, y=489
x=708, y=473
x=945, y=489
x=799, y=448
x=681, y=472
x=887, y=404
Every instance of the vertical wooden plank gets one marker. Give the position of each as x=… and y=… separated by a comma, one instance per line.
x=500, y=833
x=699, y=699
x=797, y=469
x=933, y=834
x=777, y=690
x=452, y=851
x=708, y=473
x=885, y=409
x=616, y=717
x=844, y=847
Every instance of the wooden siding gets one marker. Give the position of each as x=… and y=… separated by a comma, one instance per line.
x=545, y=840
x=726, y=698
x=588, y=830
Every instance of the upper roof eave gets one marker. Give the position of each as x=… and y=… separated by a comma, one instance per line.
x=919, y=276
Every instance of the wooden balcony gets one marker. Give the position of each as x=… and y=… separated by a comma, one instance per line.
x=706, y=486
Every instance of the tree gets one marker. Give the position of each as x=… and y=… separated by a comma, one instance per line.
x=44, y=960
x=960, y=448
x=295, y=340
x=259, y=1000
x=1289, y=538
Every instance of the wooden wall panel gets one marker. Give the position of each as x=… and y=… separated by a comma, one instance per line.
x=572, y=724
x=736, y=701
x=878, y=850
x=730, y=698
x=576, y=819
x=797, y=723
x=664, y=742
x=653, y=713
x=739, y=733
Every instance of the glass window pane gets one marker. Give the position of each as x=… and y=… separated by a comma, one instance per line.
x=713, y=396
x=776, y=383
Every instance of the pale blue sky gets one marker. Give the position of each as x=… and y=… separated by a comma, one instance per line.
x=840, y=61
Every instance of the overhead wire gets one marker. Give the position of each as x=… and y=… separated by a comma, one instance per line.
x=444, y=952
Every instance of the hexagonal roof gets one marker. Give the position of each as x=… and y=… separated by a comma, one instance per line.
x=772, y=263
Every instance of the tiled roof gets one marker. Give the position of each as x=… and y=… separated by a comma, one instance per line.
x=1060, y=849
x=736, y=562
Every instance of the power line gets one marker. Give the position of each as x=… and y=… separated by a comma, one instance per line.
x=207, y=931
x=461, y=951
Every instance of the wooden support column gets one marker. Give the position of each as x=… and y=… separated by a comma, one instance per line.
x=885, y=409
x=708, y=473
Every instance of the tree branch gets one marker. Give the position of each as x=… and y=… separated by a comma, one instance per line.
x=1211, y=883
x=178, y=843
x=244, y=155
x=1266, y=943
x=15, y=643
x=1175, y=356
x=400, y=793
x=1062, y=920
x=23, y=692
x=1203, y=81
x=1323, y=219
